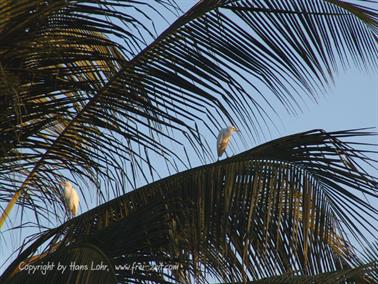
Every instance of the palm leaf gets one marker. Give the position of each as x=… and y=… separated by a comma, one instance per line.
x=54, y=57
x=352, y=275
x=364, y=271
x=78, y=263
x=265, y=212
x=114, y=118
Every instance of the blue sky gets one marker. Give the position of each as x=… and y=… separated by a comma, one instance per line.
x=351, y=103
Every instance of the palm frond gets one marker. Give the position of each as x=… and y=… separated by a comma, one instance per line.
x=370, y=256
x=364, y=271
x=266, y=212
x=103, y=111
x=344, y=276
x=54, y=56
x=85, y=264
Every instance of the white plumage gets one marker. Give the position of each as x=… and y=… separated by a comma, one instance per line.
x=71, y=198
x=224, y=138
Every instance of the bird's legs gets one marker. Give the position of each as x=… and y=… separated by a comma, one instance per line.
x=68, y=216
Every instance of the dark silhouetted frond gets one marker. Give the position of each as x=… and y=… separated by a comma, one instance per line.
x=272, y=210
x=87, y=97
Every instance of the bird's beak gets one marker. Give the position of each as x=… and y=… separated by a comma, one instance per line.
x=237, y=130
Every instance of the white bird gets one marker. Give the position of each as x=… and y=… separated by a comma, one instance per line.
x=224, y=138
x=71, y=197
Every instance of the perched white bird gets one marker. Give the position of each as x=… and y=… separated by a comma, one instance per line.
x=70, y=197
x=224, y=138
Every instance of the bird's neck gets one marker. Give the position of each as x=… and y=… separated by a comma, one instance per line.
x=68, y=189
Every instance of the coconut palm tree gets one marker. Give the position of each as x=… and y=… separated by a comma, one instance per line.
x=92, y=93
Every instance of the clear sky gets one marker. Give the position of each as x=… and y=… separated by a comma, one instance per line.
x=351, y=103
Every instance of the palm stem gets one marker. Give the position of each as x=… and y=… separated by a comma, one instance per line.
x=9, y=207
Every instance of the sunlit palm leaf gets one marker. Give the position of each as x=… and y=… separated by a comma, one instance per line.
x=268, y=211
x=54, y=56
